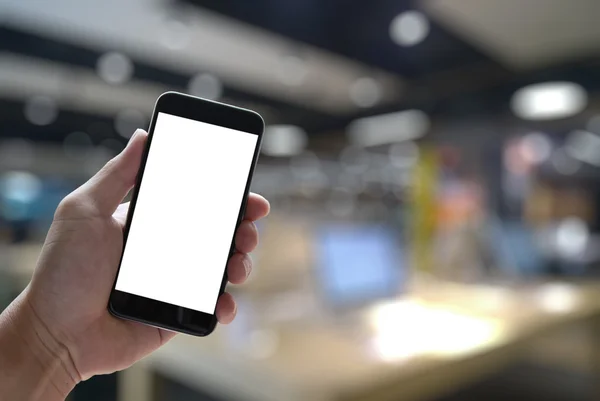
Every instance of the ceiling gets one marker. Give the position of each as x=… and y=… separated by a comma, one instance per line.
x=523, y=34
x=358, y=30
x=477, y=53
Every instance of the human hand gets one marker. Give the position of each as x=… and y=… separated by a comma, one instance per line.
x=68, y=295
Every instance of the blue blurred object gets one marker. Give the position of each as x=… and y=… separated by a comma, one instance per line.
x=54, y=190
x=515, y=250
x=357, y=264
x=19, y=190
x=28, y=202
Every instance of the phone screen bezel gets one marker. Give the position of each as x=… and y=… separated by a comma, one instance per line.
x=162, y=314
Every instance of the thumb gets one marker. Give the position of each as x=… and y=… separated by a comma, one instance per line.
x=111, y=184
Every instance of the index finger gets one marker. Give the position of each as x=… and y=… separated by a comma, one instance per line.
x=257, y=207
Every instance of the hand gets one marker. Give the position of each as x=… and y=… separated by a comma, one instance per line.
x=67, y=298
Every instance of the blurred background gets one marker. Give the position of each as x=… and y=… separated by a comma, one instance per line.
x=432, y=166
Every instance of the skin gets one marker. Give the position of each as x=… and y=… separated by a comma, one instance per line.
x=58, y=332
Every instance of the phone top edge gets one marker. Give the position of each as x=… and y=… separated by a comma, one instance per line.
x=215, y=102
x=210, y=111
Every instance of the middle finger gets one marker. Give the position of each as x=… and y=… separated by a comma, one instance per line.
x=246, y=237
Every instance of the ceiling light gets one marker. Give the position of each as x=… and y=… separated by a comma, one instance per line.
x=284, y=140
x=409, y=28
x=206, y=86
x=366, y=92
x=41, y=110
x=115, y=68
x=388, y=128
x=550, y=100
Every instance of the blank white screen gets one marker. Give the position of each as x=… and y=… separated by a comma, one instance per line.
x=186, y=211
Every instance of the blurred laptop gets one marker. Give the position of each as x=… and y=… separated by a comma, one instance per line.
x=358, y=264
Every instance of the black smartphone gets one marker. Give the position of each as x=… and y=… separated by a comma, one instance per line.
x=189, y=199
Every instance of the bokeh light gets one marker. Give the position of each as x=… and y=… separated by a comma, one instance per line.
x=206, y=86
x=409, y=28
x=536, y=148
x=284, y=140
x=41, y=110
x=572, y=237
x=115, y=68
x=565, y=164
x=366, y=92
x=550, y=100
x=388, y=128
x=584, y=146
x=20, y=186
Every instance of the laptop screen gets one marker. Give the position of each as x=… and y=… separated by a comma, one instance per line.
x=359, y=263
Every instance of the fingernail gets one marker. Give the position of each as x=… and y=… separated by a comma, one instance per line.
x=247, y=265
x=136, y=133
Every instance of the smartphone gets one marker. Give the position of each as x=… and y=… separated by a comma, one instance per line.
x=189, y=199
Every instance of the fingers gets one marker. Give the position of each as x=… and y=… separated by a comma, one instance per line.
x=111, y=184
x=226, y=308
x=239, y=268
x=246, y=237
x=257, y=207
x=240, y=264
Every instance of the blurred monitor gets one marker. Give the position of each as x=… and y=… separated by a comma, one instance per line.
x=357, y=264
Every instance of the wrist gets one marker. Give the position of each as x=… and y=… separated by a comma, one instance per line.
x=33, y=364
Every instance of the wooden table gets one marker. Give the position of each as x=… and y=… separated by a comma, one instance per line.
x=436, y=340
